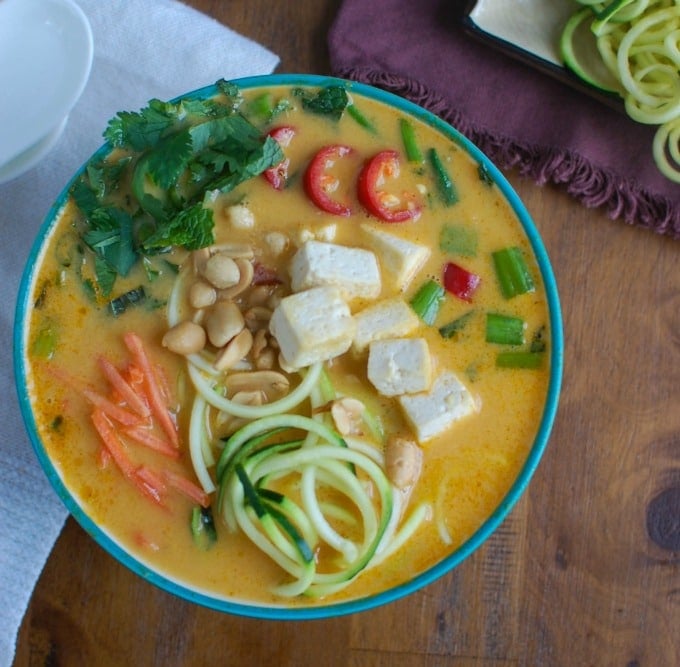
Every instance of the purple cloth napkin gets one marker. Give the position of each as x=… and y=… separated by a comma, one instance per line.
x=520, y=117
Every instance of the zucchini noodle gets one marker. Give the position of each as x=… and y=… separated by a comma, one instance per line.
x=331, y=483
x=206, y=388
x=199, y=447
x=342, y=501
x=667, y=143
x=639, y=43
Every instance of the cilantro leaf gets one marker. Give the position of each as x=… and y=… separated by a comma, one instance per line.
x=232, y=92
x=190, y=228
x=169, y=159
x=138, y=130
x=106, y=275
x=252, y=162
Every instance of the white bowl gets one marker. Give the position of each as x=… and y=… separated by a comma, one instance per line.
x=45, y=59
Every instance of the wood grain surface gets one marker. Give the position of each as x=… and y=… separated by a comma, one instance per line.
x=584, y=571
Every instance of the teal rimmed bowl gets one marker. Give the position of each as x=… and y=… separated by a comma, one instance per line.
x=178, y=588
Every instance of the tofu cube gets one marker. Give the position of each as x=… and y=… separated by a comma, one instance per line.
x=389, y=318
x=433, y=412
x=399, y=366
x=399, y=258
x=314, y=325
x=353, y=271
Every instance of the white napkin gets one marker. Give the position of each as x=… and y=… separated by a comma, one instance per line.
x=142, y=49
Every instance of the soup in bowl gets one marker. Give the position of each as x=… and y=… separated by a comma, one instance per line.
x=288, y=346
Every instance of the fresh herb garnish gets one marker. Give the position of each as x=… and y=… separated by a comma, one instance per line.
x=173, y=153
x=330, y=101
x=190, y=228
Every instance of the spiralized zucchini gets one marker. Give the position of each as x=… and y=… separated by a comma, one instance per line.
x=295, y=496
x=639, y=42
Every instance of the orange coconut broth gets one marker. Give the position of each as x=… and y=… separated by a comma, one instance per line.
x=466, y=471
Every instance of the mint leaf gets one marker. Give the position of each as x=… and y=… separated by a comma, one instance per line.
x=110, y=238
x=330, y=101
x=190, y=228
x=106, y=275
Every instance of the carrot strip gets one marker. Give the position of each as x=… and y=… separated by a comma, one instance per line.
x=143, y=436
x=155, y=396
x=104, y=457
x=115, y=448
x=187, y=488
x=111, y=442
x=143, y=541
x=119, y=383
x=151, y=482
x=110, y=408
x=163, y=384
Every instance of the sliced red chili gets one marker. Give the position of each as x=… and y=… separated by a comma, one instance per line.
x=278, y=174
x=460, y=282
x=320, y=185
x=375, y=199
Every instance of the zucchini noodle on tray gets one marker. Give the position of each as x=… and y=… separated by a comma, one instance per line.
x=638, y=42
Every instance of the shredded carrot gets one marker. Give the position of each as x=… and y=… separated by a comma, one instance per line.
x=109, y=408
x=163, y=384
x=145, y=437
x=119, y=455
x=152, y=483
x=187, y=488
x=104, y=458
x=154, y=393
x=144, y=541
x=112, y=443
x=120, y=384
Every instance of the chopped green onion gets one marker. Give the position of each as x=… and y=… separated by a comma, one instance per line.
x=408, y=136
x=359, y=117
x=452, y=328
x=458, y=240
x=427, y=301
x=447, y=189
x=45, y=344
x=203, y=527
x=512, y=272
x=519, y=359
x=504, y=329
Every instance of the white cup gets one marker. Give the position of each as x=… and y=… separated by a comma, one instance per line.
x=45, y=59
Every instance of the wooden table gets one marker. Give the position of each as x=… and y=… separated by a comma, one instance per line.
x=585, y=570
